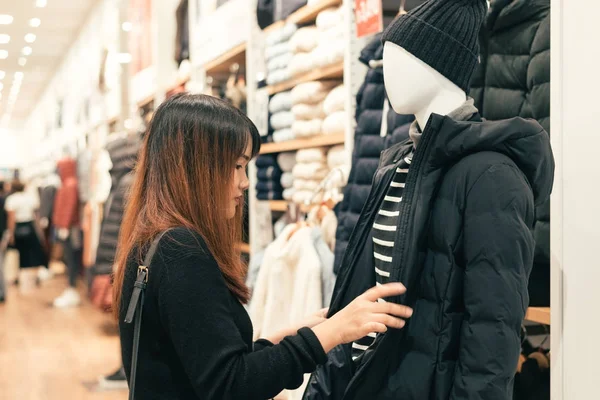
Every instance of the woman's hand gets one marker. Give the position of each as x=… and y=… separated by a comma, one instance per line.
x=314, y=319
x=363, y=316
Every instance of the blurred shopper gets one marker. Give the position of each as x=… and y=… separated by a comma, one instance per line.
x=21, y=209
x=4, y=236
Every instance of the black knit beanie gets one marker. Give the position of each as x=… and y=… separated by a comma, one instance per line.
x=444, y=35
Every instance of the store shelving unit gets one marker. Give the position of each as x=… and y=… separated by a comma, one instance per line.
x=297, y=144
x=143, y=103
x=245, y=248
x=222, y=63
x=278, y=205
x=541, y=315
x=304, y=15
x=330, y=72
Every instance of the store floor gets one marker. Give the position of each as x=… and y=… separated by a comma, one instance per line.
x=51, y=354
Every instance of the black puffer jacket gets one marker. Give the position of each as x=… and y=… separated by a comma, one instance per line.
x=514, y=80
x=464, y=251
x=123, y=154
x=368, y=144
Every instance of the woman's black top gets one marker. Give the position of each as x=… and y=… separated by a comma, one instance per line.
x=196, y=337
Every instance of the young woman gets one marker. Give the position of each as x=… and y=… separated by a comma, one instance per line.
x=196, y=337
x=21, y=207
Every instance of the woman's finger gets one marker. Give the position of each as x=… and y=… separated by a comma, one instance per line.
x=389, y=321
x=383, y=291
x=398, y=310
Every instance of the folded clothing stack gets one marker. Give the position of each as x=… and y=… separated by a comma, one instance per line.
x=308, y=107
x=286, y=162
x=278, y=54
x=280, y=109
x=334, y=107
x=268, y=186
x=330, y=50
x=308, y=173
x=318, y=45
x=302, y=43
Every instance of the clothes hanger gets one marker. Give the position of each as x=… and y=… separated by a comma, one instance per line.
x=402, y=11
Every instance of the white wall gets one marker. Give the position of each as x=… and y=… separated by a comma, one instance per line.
x=11, y=149
x=575, y=200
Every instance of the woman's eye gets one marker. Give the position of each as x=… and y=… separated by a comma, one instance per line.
x=239, y=166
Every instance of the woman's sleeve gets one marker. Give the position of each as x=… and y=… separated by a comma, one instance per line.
x=196, y=310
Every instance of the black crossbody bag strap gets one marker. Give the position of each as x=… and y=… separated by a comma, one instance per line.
x=134, y=310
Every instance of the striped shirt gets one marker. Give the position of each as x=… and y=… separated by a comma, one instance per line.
x=384, y=233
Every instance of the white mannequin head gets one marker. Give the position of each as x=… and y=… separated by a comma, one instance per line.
x=414, y=87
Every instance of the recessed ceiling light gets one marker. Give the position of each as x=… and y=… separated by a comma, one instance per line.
x=34, y=22
x=30, y=38
x=26, y=51
x=127, y=26
x=22, y=61
x=3, y=54
x=2, y=74
x=4, y=38
x=6, y=19
x=41, y=3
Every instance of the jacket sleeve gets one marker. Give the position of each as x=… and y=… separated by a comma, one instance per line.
x=498, y=253
x=196, y=309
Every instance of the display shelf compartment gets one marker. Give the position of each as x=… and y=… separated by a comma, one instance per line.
x=278, y=205
x=540, y=315
x=304, y=15
x=330, y=72
x=308, y=143
x=221, y=64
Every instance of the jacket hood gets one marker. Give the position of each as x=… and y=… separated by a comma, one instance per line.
x=373, y=51
x=522, y=140
x=505, y=14
x=67, y=168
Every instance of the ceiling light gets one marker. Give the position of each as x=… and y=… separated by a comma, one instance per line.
x=30, y=38
x=3, y=54
x=22, y=61
x=41, y=3
x=6, y=19
x=4, y=38
x=26, y=50
x=2, y=74
x=34, y=22
x=127, y=26
x=124, y=58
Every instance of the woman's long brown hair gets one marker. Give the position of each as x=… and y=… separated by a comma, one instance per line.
x=183, y=178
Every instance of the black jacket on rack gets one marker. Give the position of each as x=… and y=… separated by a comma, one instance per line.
x=368, y=144
x=464, y=251
x=513, y=80
x=123, y=153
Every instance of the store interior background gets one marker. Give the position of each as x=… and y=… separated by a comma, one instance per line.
x=78, y=85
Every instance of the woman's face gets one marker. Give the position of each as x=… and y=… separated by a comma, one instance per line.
x=240, y=181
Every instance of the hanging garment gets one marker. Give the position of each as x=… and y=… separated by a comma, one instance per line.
x=513, y=80
x=182, y=35
x=66, y=203
x=368, y=144
x=463, y=249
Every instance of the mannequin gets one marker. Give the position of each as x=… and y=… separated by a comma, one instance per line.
x=450, y=216
x=422, y=90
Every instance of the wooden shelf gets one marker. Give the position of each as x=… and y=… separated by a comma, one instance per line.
x=143, y=103
x=540, y=315
x=179, y=82
x=304, y=15
x=222, y=63
x=308, y=14
x=308, y=143
x=245, y=247
x=331, y=72
x=278, y=205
